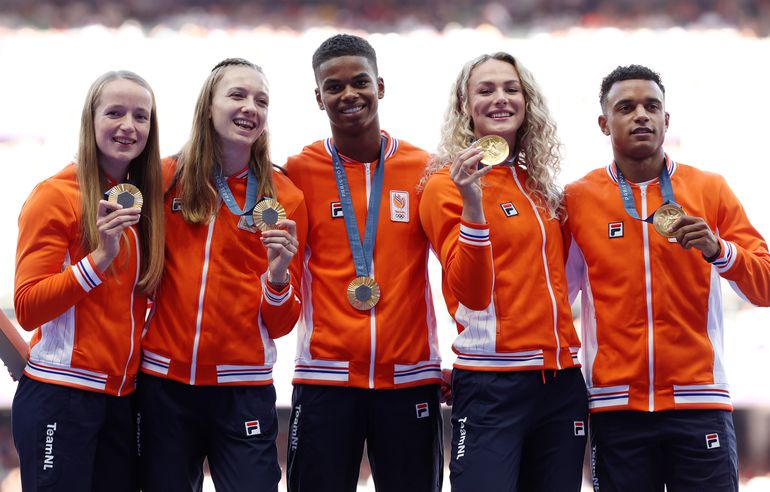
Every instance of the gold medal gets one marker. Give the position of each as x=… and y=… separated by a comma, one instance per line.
x=125, y=194
x=363, y=293
x=665, y=217
x=495, y=149
x=267, y=213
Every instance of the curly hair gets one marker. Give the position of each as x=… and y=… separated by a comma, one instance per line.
x=630, y=72
x=344, y=45
x=538, y=148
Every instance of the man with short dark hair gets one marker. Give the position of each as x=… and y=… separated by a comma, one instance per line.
x=650, y=240
x=367, y=366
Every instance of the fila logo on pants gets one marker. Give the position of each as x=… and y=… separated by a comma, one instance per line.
x=580, y=428
x=422, y=410
x=712, y=441
x=252, y=428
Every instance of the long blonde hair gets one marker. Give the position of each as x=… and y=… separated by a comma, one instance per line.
x=202, y=153
x=144, y=171
x=537, y=144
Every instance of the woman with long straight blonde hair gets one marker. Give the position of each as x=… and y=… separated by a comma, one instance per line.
x=236, y=230
x=520, y=406
x=85, y=266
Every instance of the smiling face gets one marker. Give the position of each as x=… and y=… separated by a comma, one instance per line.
x=238, y=110
x=496, y=100
x=349, y=90
x=635, y=119
x=121, y=125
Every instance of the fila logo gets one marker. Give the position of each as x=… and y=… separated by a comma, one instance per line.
x=399, y=206
x=508, y=209
x=615, y=229
x=252, y=428
x=422, y=410
x=176, y=205
x=580, y=428
x=336, y=210
x=712, y=441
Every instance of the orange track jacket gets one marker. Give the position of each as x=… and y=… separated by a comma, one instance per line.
x=651, y=310
x=88, y=323
x=214, y=317
x=394, y=344
x=517, y=317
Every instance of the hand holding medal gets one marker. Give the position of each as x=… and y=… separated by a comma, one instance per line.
x=466, y=171
x=121, y=209
x=669, y=220
x=280, y=241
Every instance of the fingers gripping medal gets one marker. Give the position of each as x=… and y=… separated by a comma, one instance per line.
x=363, y=293
x=668, y=213
x=494, y=148
x=267, y=213
x=665, y=217
x=126, y=195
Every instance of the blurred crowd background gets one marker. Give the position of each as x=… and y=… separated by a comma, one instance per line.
x=712, y=55
x=511, y=16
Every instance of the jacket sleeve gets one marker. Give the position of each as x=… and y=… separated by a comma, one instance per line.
x=744, y=260
x=576, y=265
x=47, y=284
x=463, y=248
x=280, y=310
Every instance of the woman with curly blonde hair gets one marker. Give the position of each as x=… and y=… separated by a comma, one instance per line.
x=519, y=414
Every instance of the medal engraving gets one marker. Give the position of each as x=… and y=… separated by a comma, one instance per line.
x=494, y=148
x=126, y=195
x=363, y=293
x=665, y=217
x=267, y=213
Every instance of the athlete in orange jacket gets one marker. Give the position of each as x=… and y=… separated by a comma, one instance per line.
x=84, y=269
x=518, y=418
x=190, y=338
x=367, y=365
x=393, y=345
x=230, y=286
x=651, y=300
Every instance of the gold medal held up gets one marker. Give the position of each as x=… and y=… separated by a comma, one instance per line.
x=125, y=194
x=665, y=217
x=267, y=213
x=495, y=149
x=363, y=293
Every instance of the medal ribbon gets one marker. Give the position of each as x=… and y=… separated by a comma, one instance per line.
x=628, y=197
x=229, y=199
x=362, y=254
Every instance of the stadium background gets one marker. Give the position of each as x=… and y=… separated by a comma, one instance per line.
x=712, y=55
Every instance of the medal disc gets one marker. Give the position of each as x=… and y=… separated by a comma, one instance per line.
x=664, y=217
x=495, y=149
x=267, y=213
x=363, y=293
x=125, y=194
